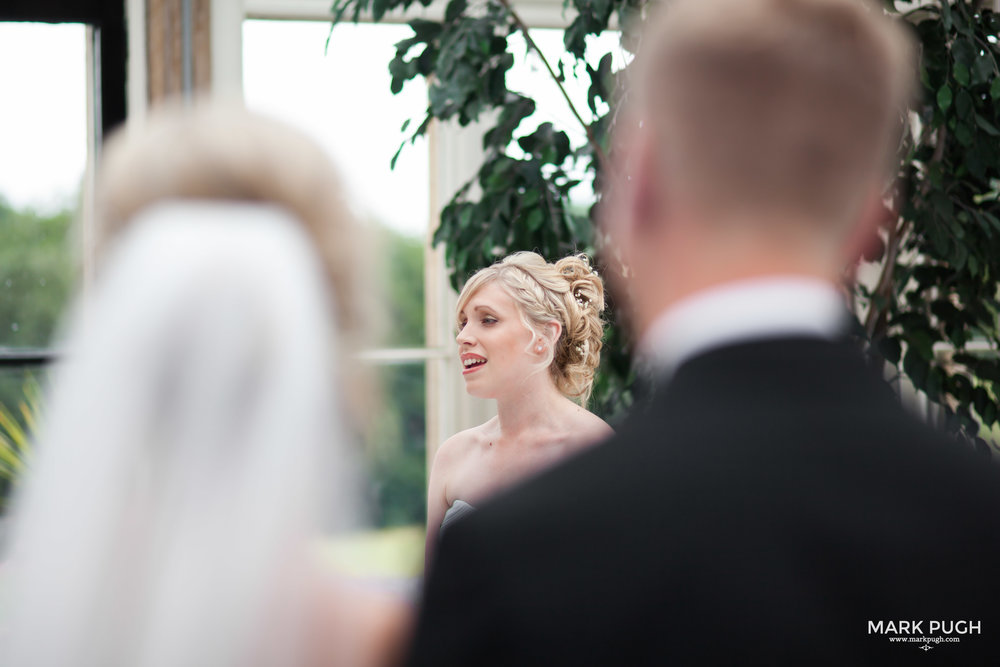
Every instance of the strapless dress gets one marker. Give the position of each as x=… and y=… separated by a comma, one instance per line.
x=458, y=509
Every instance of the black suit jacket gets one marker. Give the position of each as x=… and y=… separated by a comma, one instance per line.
x=772, y=505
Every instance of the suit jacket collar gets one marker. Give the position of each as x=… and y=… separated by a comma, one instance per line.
x=797, y=370
x=764, y=308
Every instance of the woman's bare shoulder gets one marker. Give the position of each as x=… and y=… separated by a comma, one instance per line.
x=461, y=444
x=589, y=427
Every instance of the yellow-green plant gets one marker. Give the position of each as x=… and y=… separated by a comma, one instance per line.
x=17, y=429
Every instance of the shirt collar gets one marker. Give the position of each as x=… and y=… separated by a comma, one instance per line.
x=745, y=310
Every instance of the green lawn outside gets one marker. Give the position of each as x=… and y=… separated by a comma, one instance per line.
x=390, y=553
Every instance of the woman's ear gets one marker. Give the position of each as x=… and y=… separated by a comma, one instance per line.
x=552, y=331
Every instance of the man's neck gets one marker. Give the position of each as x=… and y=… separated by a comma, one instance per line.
x=714, y=261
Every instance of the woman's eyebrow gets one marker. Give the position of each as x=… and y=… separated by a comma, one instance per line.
x=461, y=313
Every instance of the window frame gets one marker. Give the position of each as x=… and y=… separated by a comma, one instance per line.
x=108, y=45
x=106, y=110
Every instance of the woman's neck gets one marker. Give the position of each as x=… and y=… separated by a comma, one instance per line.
x=531, y=408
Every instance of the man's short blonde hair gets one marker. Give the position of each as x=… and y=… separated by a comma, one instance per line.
x=782, y=108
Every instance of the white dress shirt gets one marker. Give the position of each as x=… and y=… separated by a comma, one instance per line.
x=778, y=306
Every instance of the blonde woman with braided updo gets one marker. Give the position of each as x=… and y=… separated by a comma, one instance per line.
x=530, y=338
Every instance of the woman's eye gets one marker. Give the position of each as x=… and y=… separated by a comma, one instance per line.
x=487, y=321
x=461, y=325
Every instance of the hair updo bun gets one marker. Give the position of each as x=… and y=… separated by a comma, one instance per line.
x=567, y=291
x=578, y=352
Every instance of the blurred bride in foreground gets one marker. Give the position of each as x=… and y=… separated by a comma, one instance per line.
x=195, y=443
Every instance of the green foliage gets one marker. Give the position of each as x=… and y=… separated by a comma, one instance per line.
x=37, y=273
x=936, y=299
x=17, y=430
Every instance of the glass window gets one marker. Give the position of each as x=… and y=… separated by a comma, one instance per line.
x=337, y=91
x=396, y=446
x=43, y=131
x=44, y=135
x=334, y=86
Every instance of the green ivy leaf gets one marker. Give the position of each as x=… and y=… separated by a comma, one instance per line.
x=425, y=30
x=983, y=68
x=964, y=134
x=989, y=414
x=944, y=97
x=515, y=110
x=960, y=72
x=963, y=104
x=486, y=247
x=455, y=9
x=925, y=78
x=575, y=36
x=923, y=343
x=535, y=220
x=976, y=161
x=890, y=350
x=987, y=127
x=980, y=399
x=995, y=88
x=959, y=256
x=993, y=220
x=915, y=367
x=943, y=206
x=946, y=16
x=601, y=84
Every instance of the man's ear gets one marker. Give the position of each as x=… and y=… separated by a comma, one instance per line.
x=630, y=199
x=864, y=242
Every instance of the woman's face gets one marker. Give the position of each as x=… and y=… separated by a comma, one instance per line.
x=494, y=346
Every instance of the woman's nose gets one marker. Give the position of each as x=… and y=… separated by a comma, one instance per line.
x=463, y=336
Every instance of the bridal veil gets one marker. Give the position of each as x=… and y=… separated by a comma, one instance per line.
x=193, y=445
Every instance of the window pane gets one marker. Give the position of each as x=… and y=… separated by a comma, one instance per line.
x=341, y=98
x=37, y=272
x=388, y=552
x=399, y=290
x=43, y=135
x=396, y=447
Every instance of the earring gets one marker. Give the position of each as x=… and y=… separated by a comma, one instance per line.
x=539, y=348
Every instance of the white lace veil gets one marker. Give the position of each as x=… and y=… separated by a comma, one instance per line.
x=192, y=443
